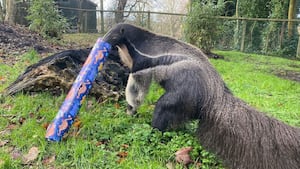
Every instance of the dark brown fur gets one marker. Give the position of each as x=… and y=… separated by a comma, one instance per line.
x=241, y=136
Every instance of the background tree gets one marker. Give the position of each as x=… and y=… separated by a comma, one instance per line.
x=119, y=15
x=124, y=5
x=10, y=12
x=273, y=33
x=140, y=18
x=249, y=32
x=2, y=10
x=170, y=23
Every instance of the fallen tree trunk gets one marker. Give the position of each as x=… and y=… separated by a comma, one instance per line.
x=57, y=73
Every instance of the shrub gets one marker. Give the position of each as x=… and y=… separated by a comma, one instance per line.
x=46, y=19
x=200, y=29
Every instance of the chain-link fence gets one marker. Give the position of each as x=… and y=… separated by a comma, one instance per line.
x=256, y=35
x=159, y=22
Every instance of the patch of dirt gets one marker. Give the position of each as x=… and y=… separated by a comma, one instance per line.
x=17, y=40
x=288, y=74
x=214, y=56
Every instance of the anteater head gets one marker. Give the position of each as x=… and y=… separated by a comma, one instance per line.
x=124, y=33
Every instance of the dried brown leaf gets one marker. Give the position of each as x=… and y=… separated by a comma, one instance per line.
x=77, y=123
x=75, y=130
x=45, y=125
x=31, y=115
x=5, y=132
x=11, y=126
x=31, y=156
x=22, y=120
x=104, y=141
x=3, y=142
x=15, y=154
x=49, y=160
x=40, y=119
x=89, y=104
x=9, y=149
x=7, y=107
x=117, y=105
x=1, y=162
x=122, y=154
x=99, y=143
x=198, y=165
x=125, y=146
x=182, y=156
x=2, y=79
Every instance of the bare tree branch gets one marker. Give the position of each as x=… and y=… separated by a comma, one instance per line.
x=131, y=7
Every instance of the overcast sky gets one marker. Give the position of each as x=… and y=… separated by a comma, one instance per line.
x=156, y=5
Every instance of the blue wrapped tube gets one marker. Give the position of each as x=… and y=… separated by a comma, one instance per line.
x=80, y=88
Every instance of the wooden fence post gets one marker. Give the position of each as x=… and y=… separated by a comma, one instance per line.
x=149, y=21
x=102, y=16
x=298, y=46
x=236, y=37
x=244, y=24
x=85, y=22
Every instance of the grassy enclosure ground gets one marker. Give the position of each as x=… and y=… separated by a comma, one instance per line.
x=85, y=39
x=105, y=137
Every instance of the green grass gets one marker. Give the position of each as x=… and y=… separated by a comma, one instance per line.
x=85, y=39
x=106, y=130
x=251, y=78
x=9, y=72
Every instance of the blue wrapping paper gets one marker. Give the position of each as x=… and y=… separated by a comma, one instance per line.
x=80, y=88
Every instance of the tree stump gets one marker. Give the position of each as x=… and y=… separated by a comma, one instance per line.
x=57, y=73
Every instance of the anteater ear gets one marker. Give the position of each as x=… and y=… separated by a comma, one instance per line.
x=125, y=56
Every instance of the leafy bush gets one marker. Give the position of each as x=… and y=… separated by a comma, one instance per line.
x=200, y=29
x=46, y=19
x=289, y=47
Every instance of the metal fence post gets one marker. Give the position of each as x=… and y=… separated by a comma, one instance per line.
x=298, y=46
